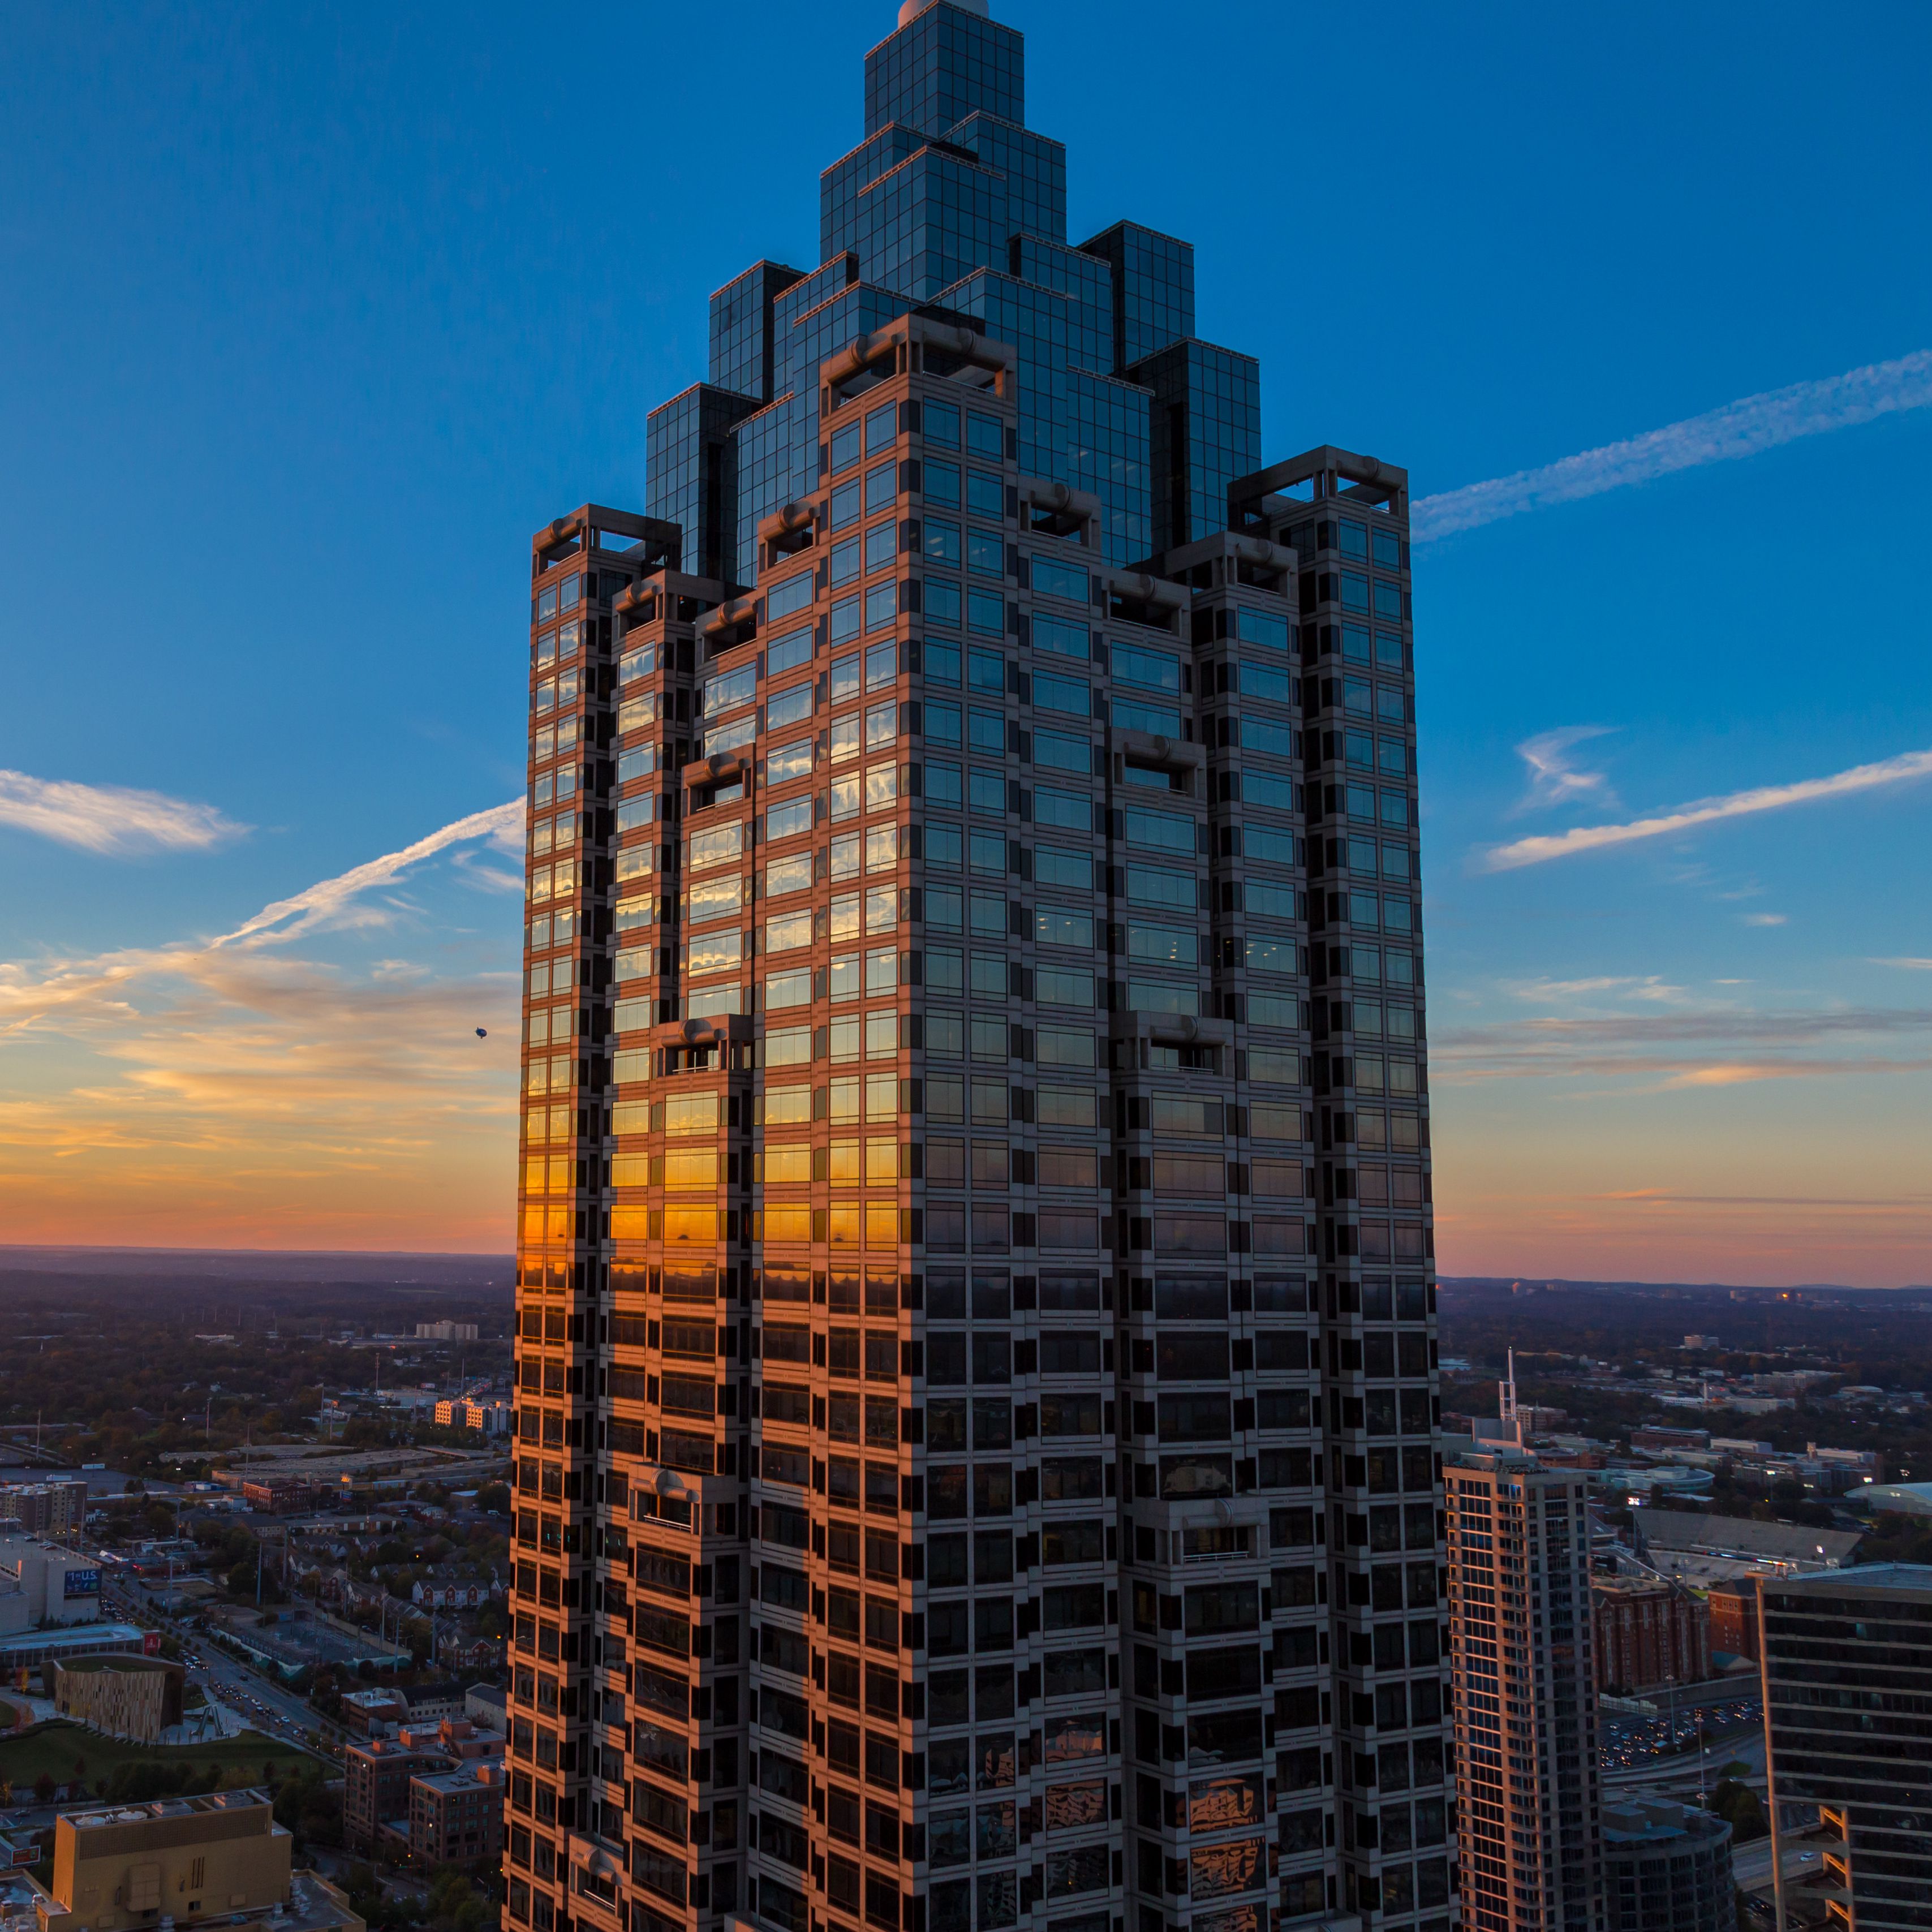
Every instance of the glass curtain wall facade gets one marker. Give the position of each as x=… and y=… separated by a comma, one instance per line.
x=1847, y=1683
x=974, y=1448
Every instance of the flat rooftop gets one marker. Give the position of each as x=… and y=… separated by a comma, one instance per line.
x=469, y=1776
x=1864, y=1579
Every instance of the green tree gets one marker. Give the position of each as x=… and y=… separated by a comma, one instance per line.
x=1740, y=1808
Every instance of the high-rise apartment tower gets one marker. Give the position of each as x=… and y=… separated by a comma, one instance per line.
x=974, y=1454
x=1526, y=1768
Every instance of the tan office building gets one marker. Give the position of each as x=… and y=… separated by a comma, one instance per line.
x=220, y=1856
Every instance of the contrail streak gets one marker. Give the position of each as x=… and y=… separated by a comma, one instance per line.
x=1742, y=428
x=1907, y=765
x=82, y=983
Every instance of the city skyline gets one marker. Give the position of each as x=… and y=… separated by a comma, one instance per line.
x=1679, y=966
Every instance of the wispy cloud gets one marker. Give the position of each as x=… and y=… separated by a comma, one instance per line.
x=1766, y=918
x=1553, y=779
x=1536, y=851
x=1910, y=965
x=90, y=986
x=238, y=1089
x=1742, y=428
x=1629, y=986
x=113, y=819
x=1690, y=1049
x=336, y=900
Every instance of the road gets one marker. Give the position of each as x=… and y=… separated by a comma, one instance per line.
x=260, y=1701
x=1750, y=1865
x=1747, y=1749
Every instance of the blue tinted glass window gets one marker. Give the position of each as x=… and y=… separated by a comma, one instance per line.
x=942, y=663
x=1262, y=627
x=940, y=422
x=1055, y=634
x=1154, y=669
x=941, y=542
x=845, y=562
x=881, y=605
x=986, y=552
x=986, y=731
x=788, y=653
x=847, y=505
x=844, y=619
x=844, y=677
x=1388, y=550
x=986, y=670
x=794, y=594
x=1265, y=680
x=1355, y=540
x=881, y=487
x=986, y=496
x=881, y=546
x=882, y=429
x=942, y=483
x=1135, y=714
x=1053, y=579
x=988, y=794
x=1060, y=694
x=942, y=723
x=942, y=601
x=1388, y=649
x=984, y=436
x=985, y=612
x=881, y=665
x=1354, y=643
x=845, y=448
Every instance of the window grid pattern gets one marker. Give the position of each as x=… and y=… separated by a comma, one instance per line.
x=942, y=67
x=1153, y=288
x=691, y=465
x=1206, y=424
x=979, y=992
x=741, y=329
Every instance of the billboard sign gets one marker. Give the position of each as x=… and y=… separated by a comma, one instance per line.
x=83, y=1582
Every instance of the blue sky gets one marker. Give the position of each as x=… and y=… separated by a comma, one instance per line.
x=308, y=318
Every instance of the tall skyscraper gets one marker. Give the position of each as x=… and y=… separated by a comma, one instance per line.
x=1526, y=1765
x=1847, y=1661
x=976, y=1302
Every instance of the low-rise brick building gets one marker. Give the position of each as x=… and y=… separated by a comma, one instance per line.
x=1648, y=1634
x=456, y=1816
x=1733, y=1606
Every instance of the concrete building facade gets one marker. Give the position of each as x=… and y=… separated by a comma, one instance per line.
x=54, y=1508
x=44, y=1583
x=1666, y=1868
x=184, y=1861
x=976, y=1353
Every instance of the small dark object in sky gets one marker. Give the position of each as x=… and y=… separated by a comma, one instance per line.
x=482, y=1033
